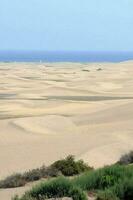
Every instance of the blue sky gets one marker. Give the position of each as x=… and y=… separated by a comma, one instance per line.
x=68, y=25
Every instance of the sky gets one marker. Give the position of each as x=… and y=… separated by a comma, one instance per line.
x=66, y=25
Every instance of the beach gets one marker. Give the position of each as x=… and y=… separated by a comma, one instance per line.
x=51, y=110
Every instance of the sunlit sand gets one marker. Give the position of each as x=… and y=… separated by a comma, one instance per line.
x=48, y=111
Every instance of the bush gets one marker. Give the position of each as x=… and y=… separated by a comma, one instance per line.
x=69, y=167
x=13, y=181
x=34, y=175
x=101, y=178
x=77, y=194
x=18, y=180
x=52, y=172
x=52, y=189
x=61, y=187
x=126, y=159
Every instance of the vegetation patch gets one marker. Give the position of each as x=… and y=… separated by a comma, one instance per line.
x=70, y=167
x=67, y=167
x=126, y=159
x=109, y=183
x=15, y=180
x=61, y=187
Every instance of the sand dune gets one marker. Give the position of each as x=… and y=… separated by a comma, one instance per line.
x=48, y=111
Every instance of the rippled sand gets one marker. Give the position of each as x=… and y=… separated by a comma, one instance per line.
x=48, y=111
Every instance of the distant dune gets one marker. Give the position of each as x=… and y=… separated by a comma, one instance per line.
x=48, y=111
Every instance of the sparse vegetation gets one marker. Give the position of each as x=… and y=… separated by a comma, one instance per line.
x=109, y=183
x=103, y=178
x=86, y=70
x=99, y=69
x=113, y=182
x=15, y=180
x=126, y=159
x=67, y=167
x=61, y=187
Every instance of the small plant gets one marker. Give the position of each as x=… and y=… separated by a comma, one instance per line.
x=126, y=159
x=52, y=189
x=77, y=194
x=69, y=167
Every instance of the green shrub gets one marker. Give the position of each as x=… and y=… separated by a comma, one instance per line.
x=77, y=194
x=52, y=189
x=58, y=188
x=122, y=189
x=103, y=178
x=69, y=167
x=82, y=167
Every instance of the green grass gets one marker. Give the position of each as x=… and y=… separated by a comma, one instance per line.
x=109, y=183
x=104, y=177
x=61, y=187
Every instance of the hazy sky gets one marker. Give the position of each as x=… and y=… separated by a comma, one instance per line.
x=82, y=25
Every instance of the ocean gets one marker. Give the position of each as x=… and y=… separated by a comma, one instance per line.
x=37, y=56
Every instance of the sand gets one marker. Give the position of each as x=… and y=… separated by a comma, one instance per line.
x=51, y=110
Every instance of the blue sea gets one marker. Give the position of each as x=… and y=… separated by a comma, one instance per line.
x=43, y=56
